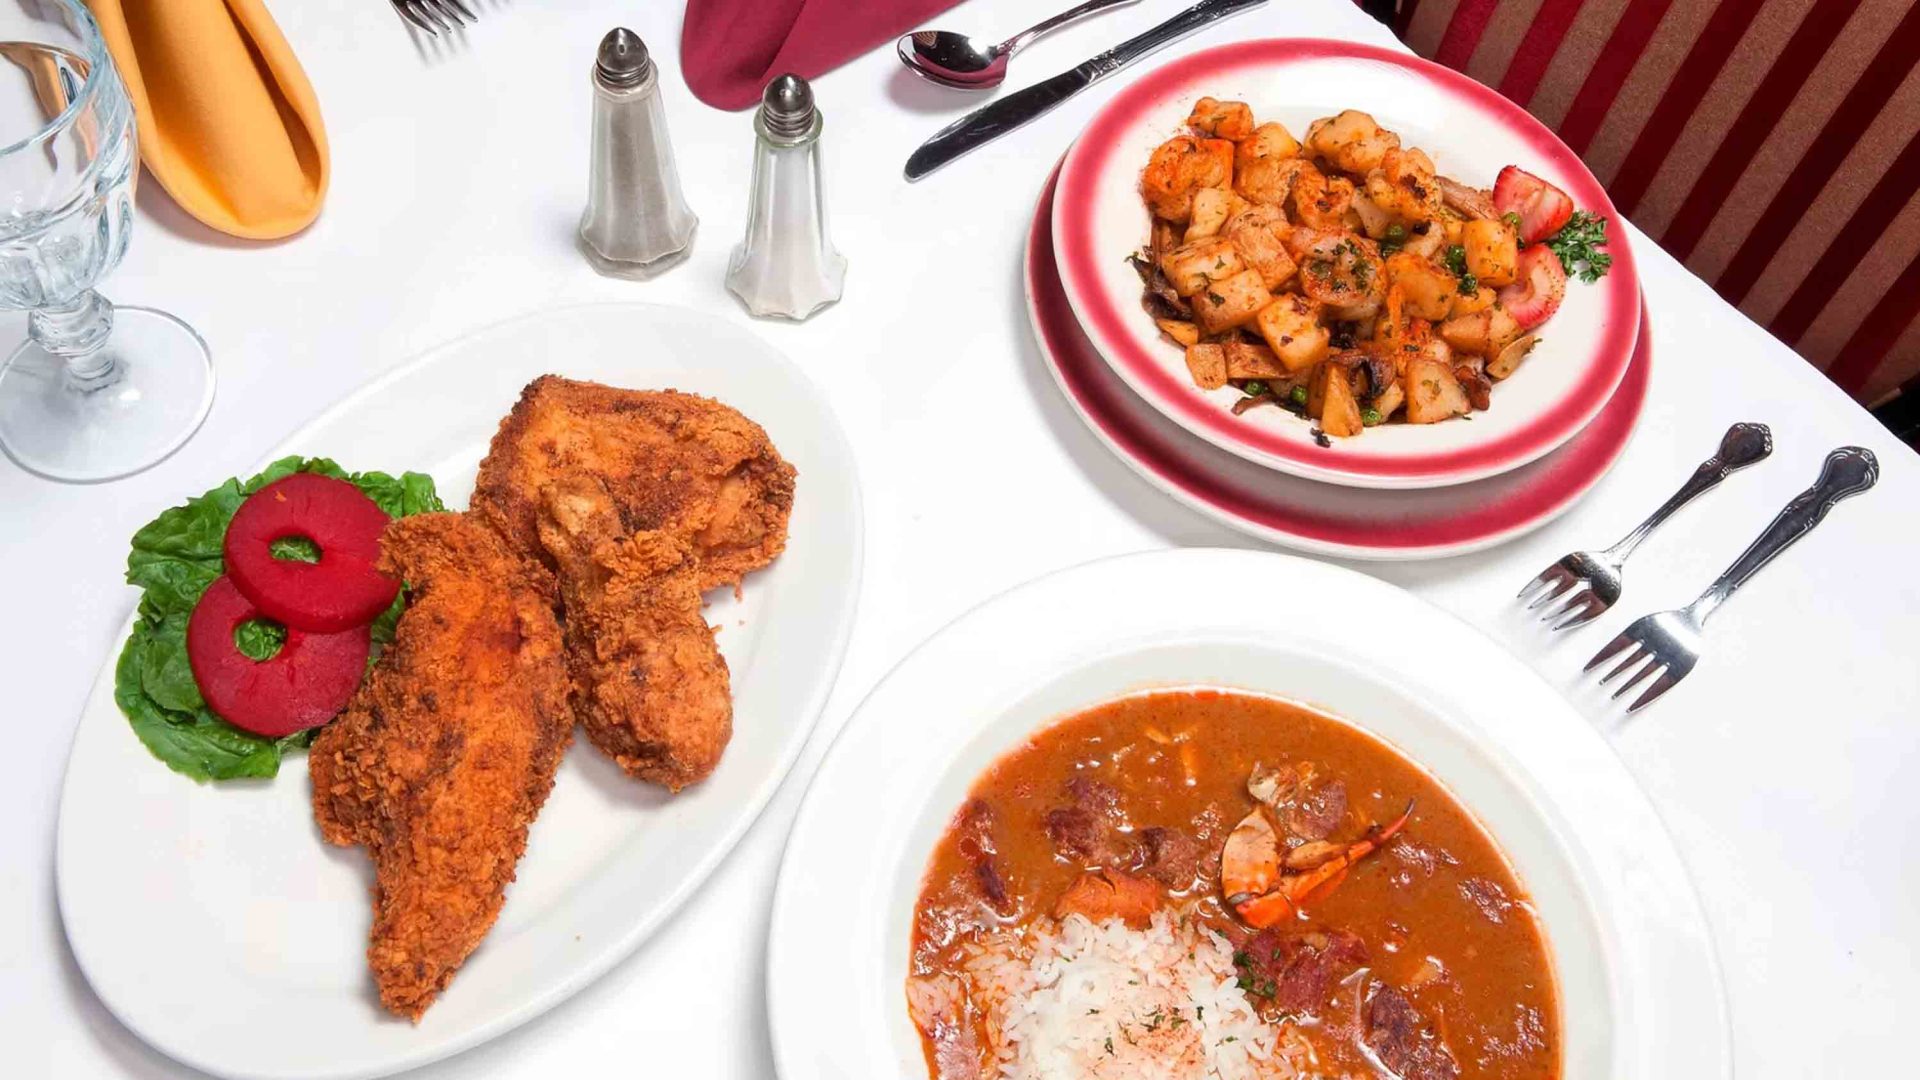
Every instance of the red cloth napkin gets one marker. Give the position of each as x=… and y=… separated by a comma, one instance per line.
x=731, y=49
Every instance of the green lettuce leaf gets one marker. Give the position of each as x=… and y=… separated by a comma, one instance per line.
x=174, y=558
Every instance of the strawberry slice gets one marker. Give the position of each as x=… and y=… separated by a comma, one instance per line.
x=341, y=590
x=1542, y=208
x=303, y=685
x=1539, y=284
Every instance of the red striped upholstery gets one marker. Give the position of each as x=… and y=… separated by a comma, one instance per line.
x=1771, y=145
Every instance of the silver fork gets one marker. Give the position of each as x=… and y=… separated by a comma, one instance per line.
x=435, y=16
x=1670, y=641
x=1599, y=571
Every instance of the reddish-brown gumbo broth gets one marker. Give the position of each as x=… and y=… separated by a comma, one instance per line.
x=1423, y=961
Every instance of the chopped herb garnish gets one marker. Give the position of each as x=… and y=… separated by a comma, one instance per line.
x=1369, y=417
x=1512, y=221
x=1577, y=245
x=1215, y=297
x=1109, y=1046
x=1457, y=262
x=1228, y=1039
x=1394, y=240
x=1199, y=1011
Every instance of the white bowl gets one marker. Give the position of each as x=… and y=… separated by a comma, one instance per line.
x=1639, y=990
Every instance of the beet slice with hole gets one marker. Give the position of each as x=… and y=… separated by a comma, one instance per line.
x=343, y=589
x=303, y=685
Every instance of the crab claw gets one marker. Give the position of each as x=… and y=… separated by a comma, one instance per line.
x=1298, y=888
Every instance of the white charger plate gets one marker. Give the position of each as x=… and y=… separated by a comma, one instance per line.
x=213, y=921
x=1469, y=131
x=1640, y=989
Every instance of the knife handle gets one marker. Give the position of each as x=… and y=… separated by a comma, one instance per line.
x=1166, y=33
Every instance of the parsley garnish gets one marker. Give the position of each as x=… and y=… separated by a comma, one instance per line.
x=1394, y=240
x=1215, y=297
x=1109, y=1046
x=1576, y=245
x=1512, y=221
x=1457, y=262
x=1369, y=417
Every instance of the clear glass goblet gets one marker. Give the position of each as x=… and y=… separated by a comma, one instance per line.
x=97, y=392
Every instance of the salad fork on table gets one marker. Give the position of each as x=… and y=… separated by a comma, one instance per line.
x=1599, y=571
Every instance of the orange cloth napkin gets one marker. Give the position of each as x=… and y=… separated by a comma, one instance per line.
x=228, y=122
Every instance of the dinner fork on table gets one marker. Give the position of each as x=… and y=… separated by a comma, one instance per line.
x=1599, y=571
x=1669, y=642
x=435, y=16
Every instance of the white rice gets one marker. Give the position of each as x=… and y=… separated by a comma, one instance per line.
x=1074, y=1000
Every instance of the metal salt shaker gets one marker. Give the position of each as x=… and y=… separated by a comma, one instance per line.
x=636, y=218
x=786, y=266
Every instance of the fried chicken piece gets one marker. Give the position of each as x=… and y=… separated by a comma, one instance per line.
x=676, y=462
x=650, y=685
x=445, y=755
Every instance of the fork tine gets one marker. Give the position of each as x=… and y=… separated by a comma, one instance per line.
x=407, y=12
x=1660, y=686
x=1590, y=609
x=463, y=9
x=1620, y=641
x=1656, y=664
x=1559, y=588
x=1545, y=576
x=450, y=12
x=1631, y=660
x=1576, y=601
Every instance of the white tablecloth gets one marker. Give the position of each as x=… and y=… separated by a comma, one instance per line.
x=459, y=177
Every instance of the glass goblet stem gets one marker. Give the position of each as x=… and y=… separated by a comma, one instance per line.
x=75, y=332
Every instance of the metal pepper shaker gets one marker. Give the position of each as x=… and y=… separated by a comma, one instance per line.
x=786, y=266
x=636, y=219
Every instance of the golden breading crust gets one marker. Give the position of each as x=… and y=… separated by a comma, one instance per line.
x=447, y=752
x=650, y=685
x=674, y=462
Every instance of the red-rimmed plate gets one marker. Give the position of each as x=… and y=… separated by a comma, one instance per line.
x=1470, y=132
x=1322, y=518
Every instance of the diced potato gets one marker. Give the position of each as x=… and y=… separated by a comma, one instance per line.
x=1468, y=303
x=1433, y=394
x=1190, y=267
x=1492, y=251
x=1351, y=140
x=1508, y=360
x=1208, y=366
x=1230, y=302
x=1224, y=119
x=1339, y=410
x=1245, y=360
x=1256, y=235
x=1291, y=327
x=1427, y=289
x=1483, y=333
x=1179, y=330
x=1209, y=213
x=1389, y=400
x=1237, y=204
x=1427, y=239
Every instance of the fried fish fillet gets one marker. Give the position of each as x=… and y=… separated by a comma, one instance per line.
x=674, y=462
x=650, y=685
x=447, y=752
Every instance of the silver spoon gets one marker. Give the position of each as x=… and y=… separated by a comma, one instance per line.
x=959, y=61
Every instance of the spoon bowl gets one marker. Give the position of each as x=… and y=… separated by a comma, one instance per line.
x=965, y=63
x=954, y=59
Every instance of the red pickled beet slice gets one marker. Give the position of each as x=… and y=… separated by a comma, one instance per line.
x=343, y=589
x=304, y=685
